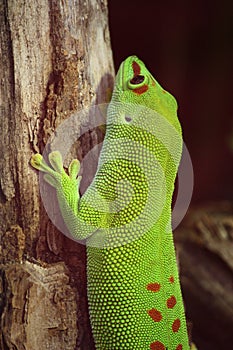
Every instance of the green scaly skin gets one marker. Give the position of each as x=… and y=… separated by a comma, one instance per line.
x=134, y=292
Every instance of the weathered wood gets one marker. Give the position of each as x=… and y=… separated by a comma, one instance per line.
x=205, y=249
x=40, y=308
x=55, y=58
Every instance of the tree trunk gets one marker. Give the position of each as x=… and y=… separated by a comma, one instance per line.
x=55, y=58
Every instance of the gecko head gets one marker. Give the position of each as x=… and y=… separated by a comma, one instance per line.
x=143, y=112
x=136, y=85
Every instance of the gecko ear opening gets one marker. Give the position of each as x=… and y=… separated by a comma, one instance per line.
x=137, y=81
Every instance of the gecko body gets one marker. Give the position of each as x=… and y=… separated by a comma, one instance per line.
x=134, y=294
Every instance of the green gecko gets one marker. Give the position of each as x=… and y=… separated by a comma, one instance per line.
x=134, y=294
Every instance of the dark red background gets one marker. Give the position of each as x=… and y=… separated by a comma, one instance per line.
x=188, y=47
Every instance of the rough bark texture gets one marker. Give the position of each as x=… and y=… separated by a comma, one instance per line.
x=205, y=247
x=55, y=58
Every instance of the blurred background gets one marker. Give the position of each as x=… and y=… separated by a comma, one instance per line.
x=188, y=47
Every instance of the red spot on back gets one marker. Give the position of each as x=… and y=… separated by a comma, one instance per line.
x=171, y=302
x=176, y=325
x=171, y=279
x=157, y=345
x=141, y=90
x=154, y=287
x=179, y=347
x=136, y=68
x=155, y=315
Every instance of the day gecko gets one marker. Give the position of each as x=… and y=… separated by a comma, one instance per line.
x=134, y=294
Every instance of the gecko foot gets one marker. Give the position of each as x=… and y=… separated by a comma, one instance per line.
x=56, y=175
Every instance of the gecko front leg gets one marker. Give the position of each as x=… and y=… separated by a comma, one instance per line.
x=67, y=190
x=82, y=216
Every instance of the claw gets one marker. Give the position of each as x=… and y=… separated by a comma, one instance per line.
x=55, y=159
x=37, y=161
x=74, y=168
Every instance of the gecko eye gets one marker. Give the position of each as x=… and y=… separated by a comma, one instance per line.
x=137, y=82
x=138, y=79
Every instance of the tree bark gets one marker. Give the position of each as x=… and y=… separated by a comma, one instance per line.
x=55, y=58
